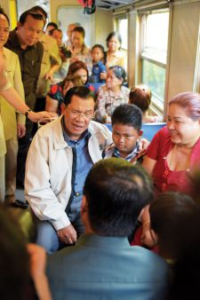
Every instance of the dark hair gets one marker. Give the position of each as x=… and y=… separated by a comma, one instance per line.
x=140, y=95
x=77, y=65
x=31, y=13
x=53, y=24
x=102, y=50
x=111, y=35
x=76, y=80
x=40, y=9
x=14, y=259
x=190, y=102
x=171, y=215
x=79, y=91
x=80, y=29
x=119, y=72
x=127, y=114
x=116, y=191
x=4, y=14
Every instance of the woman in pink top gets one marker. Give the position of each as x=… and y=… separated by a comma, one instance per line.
x=174, y=153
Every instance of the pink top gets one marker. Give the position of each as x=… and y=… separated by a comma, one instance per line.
x=165, y=179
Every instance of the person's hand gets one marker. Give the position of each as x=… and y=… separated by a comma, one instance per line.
x=37, y=260
x=143, y=145
x=103, y=75
x=21, y=130
x=49, y=76
x=67, y=235
x=35, y=117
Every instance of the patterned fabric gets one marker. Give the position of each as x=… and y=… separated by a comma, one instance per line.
x=56, y=93
x=107, y=101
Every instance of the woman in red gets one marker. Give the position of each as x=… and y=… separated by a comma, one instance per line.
x=174, y=153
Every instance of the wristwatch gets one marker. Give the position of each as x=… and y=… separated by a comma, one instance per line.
x=26, y=113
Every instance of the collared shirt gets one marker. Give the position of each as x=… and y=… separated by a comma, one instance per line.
x=30, y=63
x=112, y=151
x=82, y=164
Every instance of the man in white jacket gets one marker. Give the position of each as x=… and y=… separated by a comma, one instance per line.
x=59, y=159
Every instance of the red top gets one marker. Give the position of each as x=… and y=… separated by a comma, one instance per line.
x=164, y=178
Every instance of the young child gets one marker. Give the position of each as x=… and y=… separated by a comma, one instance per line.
x=98, y=67
x=126, y=131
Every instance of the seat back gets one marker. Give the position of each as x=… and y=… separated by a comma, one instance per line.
x=149, y=129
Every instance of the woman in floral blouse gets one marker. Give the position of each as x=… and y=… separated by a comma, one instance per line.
x=112, y=94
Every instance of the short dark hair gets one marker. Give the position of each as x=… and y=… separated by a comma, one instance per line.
x=31, y=13
x=53, y=24
x=140, y=95
x=111, y=35
x=116, y=192
x=171, y=215
x=80, y=29
x=4, y=14
x=40, y=9
x=79, y=91
x=127, y=114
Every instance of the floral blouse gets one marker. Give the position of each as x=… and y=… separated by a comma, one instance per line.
x=107, y=101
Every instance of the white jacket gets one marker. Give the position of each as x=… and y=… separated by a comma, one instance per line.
x=49, y=170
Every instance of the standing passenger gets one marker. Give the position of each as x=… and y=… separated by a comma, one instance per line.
x=24, y=41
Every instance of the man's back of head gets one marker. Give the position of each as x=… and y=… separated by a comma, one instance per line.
x=115, y=193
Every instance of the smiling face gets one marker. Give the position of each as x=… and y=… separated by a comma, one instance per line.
x=82, y=73
x=125, y=138
x=77, y=116
x=97, y=54
x=183, y=130
x=77, y=39
x=113, y=44
x=30, y=32
x=4, y=30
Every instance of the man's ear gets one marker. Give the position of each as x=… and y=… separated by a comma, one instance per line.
x=84, y=205
x=19, y=25
x=63, y=108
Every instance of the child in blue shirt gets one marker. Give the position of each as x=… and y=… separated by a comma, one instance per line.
x=98, y=67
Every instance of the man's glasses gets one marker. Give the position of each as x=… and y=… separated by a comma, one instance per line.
x=77, y=113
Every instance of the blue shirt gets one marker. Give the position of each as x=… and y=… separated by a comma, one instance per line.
x=82, y=164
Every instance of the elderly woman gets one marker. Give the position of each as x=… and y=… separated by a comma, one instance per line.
x=112, y=94
x=174, y=153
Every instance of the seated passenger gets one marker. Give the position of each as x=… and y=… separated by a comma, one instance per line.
x=112, y=94
x=98, y=66
x=102, y=265
x=55, y=96
x=174, y=153
x=22, y=275
x=175, y=227
x=140, y=95
x=59, y=159
x=126, y=131
x=79, y=68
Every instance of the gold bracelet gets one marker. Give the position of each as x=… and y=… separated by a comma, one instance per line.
x=145, y=223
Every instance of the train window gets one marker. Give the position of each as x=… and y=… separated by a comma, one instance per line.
x=154, y=54
x=121, y=25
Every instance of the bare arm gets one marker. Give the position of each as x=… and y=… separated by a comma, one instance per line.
x=149, y=164
x=51, y=105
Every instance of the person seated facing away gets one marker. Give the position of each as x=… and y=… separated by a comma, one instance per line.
x=60, y=157
x=112, y=94
x=22, y=273
x=98, y=66
x=140, y=95
x=55, y=96
x=102, y=265
x=175, y=228
x=126, y=131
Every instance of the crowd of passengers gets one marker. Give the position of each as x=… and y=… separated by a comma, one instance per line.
x=118, y=217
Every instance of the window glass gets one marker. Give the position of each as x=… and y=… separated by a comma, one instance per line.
x=123, y=31
x=154, y=76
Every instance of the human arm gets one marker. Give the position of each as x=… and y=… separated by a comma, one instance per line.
x=52, y=70
x=37, y=269
x=101, y=114
x=51, y=105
